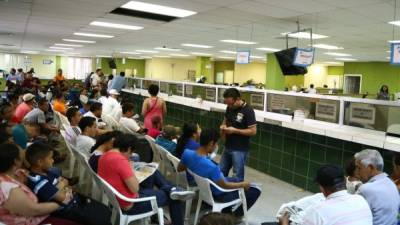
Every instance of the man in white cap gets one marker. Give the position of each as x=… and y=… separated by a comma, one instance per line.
x=24, y=108
x=111, y=106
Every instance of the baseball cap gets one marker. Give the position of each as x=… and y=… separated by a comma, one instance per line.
x=28, y=97
x=329, y=176
x=113, y=92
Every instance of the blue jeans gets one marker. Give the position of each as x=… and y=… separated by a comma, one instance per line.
x=251, y=197
x=162, y=196
x=236, y=159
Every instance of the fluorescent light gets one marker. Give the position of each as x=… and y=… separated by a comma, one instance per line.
x=146, y=57
x=394, y=41
x=68, y=45
x=162, y=56
x=240, y=42
x=396, y=23
x=305, y=35
x=104, y=56
x=257, y=57
x=130, y=53
x=79, y=41
x=93, y=35
x=168, y=49
x=147, y=51
x=29, y=52
x=197, y=46
x=62, y=48
x=346, y=59
x=337, y=54
x=115, y=25
x=226, y=57
x=157, y=9
x=228, y=52
x=201, y=53
x=333, y=63
x=55, y=50
x=73, y=53
x=180, y=55
x=329, y=47
x=269, y=49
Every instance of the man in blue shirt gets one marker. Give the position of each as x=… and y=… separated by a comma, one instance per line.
x=199, y=163
x=118, y=82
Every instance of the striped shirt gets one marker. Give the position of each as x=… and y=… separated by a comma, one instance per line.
x=339, y=208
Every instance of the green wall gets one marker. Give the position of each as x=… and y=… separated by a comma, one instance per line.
x=203, y=68
x=374, y=75
x=138, y=64
x=221, y=66
x=274, y=76
x=294, y=80
x=335, y=70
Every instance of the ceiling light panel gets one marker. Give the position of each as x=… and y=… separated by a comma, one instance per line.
x=196, y=45
x=329, y=47
x=268, y=49
x=62, y=48
x=115, y=25
x=305, y=35
x=228, y=52
x=79, y=41
x=239, y=42
x=337, y=54
x=346, y=59
x=168, y=49
x=157, y=9
x=68, y=45
x=93, y=35
x=201, y=53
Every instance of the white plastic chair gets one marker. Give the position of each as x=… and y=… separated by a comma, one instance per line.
x=111, y=122
x=205, y=195
x=126, y=219
x=166, y=165
x=156, y=154
x=72, y=159
x=181, y=180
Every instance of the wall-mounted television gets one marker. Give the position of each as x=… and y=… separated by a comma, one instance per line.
x=286, y=62
x=112, y=64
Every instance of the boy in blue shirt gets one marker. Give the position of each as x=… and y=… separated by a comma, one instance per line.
x=50, y=187
x=199, y=163
x=166, y=138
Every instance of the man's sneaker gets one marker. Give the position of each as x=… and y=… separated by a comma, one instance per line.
x=181, y=194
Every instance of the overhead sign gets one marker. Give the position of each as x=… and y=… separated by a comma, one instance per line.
x=243, y=57
x=395, y=54
x=47, y=61
x=303, y=57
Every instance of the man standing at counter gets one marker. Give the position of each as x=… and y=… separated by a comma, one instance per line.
x=238, y=126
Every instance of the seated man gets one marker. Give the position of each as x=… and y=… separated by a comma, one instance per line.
x=96, y=109
x=37, y=116
x=23, y=108
x=73, y=131
x=377, y=188
x=199, y=163
x=111, y=106
x=85, y=140
x=167, y=137
x=115, y=168
x=59, y=104
x=50, y=187
x=339, y=207
x=127, y=120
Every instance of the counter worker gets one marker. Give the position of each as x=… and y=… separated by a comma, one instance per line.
x=238, y=126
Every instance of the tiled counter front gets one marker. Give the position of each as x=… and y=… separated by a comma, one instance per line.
x=290, y=155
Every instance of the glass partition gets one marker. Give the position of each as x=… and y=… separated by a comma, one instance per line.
x=193, y=91
x=371, y=116
x=304, y=107
x=147, y=83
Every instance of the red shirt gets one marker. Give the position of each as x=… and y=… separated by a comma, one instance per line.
x=153, y=132
x=20, y=112
x=115, y=169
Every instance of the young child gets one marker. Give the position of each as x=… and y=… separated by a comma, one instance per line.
x=154, y=131
x=50, y=187
x=167, y=137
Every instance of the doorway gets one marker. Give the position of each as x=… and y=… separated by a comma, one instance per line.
x=352, y=83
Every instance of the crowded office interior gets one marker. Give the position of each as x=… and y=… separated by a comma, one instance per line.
x=209, y=112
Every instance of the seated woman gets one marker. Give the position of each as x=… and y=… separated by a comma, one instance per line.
x=104, y=143
x=199, y=163
x=18, y=204
x=189, y=138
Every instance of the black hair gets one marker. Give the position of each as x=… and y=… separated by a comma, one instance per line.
x=4, y=135
x=97, y=70
x=311, y=85
x=42, y=101
x=3, y=107
x=86, y=122
x=122, y=73
x=216, y=218
x=126, y=107
x=110, y=77
x=58, y=93
x=387, y=91
x=351, y=167
x=71, y=112
x=232, y=93
x=106, y=137
x=8, y=154
x=103, y=92
x=188, y=130
x=331, y=177
x=124, y=141
x=37, y=151
x=20, y=70
x=208, y=135
x=153, y=89
x=396, y=159
x=59, y=70
x=95, y=106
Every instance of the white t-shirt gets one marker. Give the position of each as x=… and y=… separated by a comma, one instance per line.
x=72, y=133
x=84, y=144
x=312, y=91
x=102, y=99
x=95, y=79
x=111, y=107
x=130, y=123
x=339, y=208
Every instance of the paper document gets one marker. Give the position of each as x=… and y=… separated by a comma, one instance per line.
x=144, y=170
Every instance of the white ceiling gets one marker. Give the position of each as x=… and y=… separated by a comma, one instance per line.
x=360, y=26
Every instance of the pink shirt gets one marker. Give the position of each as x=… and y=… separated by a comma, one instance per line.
x=20, y=112
x=155, y=109
x=153, y=132
x=115, y=169
x=6, y=186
